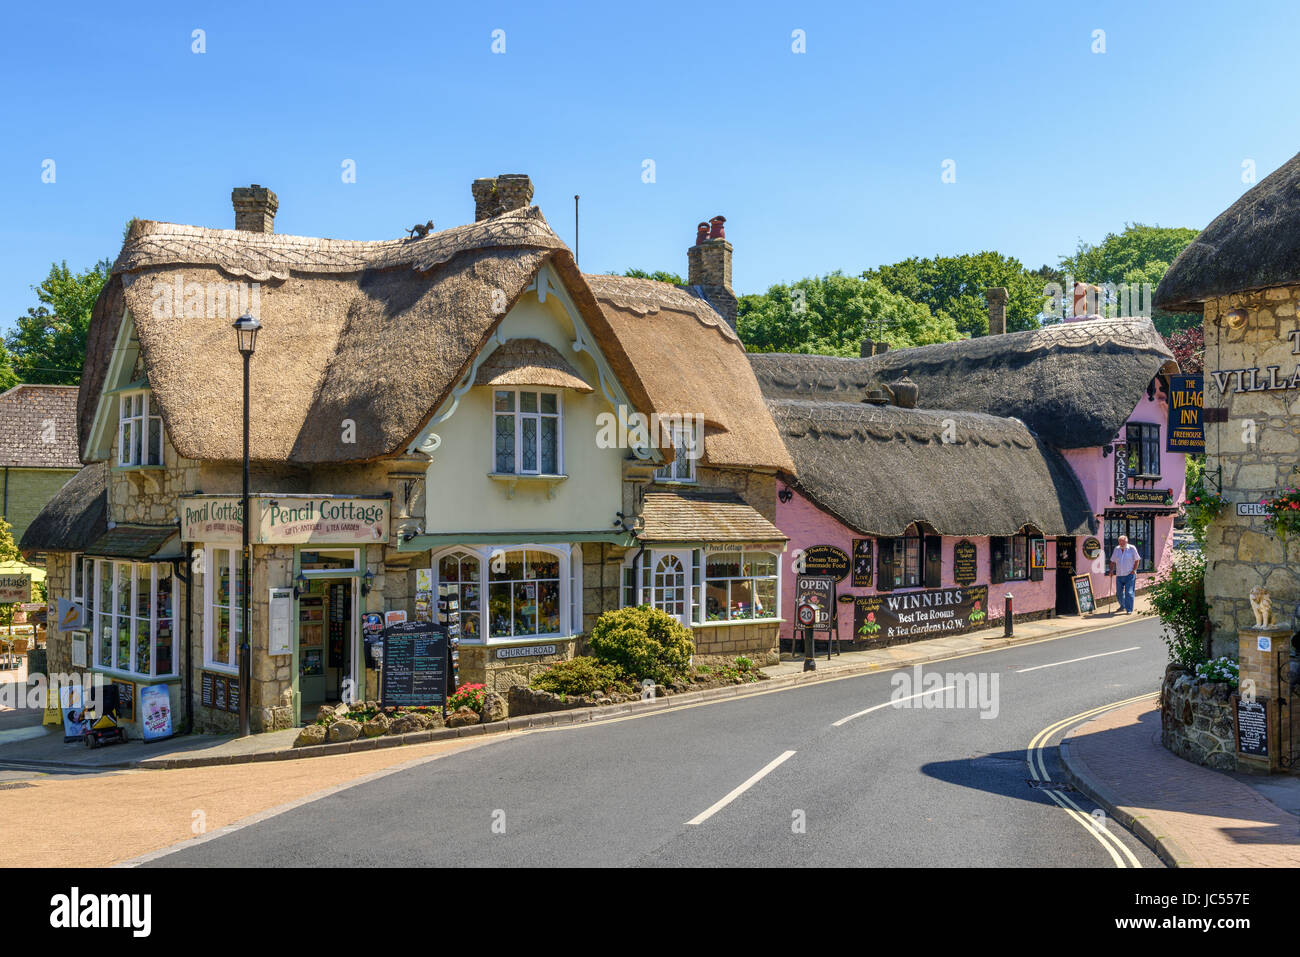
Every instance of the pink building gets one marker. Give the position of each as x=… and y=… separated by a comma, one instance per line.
x=939, y=479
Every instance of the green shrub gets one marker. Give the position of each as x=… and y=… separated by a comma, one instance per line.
x=581, y=676
x=643, y=642
x=744, y=664
x=468, y=696
x=1178, y=597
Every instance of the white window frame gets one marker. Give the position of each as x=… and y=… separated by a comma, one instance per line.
x=639, y=592
x=209, y=607
x=98, y=616
x=771, y=614
x=77, y=593
x=570, y=601
x=682, y=468
x=130, y=423
x=518, y=415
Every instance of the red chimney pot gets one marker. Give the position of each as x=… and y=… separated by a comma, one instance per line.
x=717, y=223
x=701, y=233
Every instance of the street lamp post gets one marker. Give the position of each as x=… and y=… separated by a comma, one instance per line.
x=246, y=328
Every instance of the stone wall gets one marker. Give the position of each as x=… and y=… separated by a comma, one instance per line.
x=480, y=664
x=1257, y=449
x=1196, y=720
x=755, y=641
x=58, y=644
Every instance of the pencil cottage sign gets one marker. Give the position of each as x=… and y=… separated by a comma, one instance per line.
x=282, y=520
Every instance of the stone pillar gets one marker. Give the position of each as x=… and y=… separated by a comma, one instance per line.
x=1262, y=653
x=997, y=298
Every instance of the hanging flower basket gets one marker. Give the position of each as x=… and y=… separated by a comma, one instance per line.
x=1282, y=514
x=1202, y=507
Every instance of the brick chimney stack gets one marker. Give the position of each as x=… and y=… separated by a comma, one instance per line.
x=255, y=208
x=494, y=195
x=997, y=297
x=709, y=267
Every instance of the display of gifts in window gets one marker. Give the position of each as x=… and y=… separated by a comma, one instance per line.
x=739, y=585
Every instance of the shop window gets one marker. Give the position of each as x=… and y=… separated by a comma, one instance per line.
x=685, y=451
x=223, y=615
x=132, y=617
x=337, y=559
x=899, y=561
x=526, y=433
x=1143, y=439
x=523, y=593
x=139, y=430
x=740, y=585
x=460, y=577
x=1141, y=535
x=1009, y=558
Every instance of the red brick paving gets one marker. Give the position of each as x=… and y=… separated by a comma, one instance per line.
x=1204, y=818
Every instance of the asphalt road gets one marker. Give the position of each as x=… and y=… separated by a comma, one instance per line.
x=895, y=786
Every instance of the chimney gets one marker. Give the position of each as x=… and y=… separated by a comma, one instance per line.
x=868, y=348
x=255, y=208
x=496, y=195
x=709, y=267
x=997, y=297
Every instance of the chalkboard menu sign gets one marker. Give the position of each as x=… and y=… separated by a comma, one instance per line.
x=965, y=561
x=232, y=695
x=206, y=682
x=125, y=700
x=1083, y=597
x=219, y=694
x=1252, y=728
x=415, y=665
x=218, y=691
x=826, y=560
x=862, y=564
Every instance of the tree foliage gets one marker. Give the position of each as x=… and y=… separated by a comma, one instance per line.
x=830, y=315
x=1140, y=254
x=953, y=287
x=658, y=276
x=48, y=344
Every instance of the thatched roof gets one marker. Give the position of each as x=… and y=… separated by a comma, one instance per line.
x=375, y=332
x=1075, y=384
x=38, y=427
x=524, y=362
x=703, y=515
x=690, y=362
x=879, y=469
x=76, y=516
x=1253, y=244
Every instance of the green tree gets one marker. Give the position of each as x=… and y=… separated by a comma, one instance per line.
x=1140, y=254
x=8, y=378
x=830, y=315
x=658, y=275
x=49, y=343
x=954, y=286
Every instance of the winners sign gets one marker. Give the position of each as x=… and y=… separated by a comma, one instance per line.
x=886, y=619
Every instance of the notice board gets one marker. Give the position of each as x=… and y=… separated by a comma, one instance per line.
x=414, y=670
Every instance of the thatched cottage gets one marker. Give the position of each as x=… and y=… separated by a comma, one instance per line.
x=38, y=449
x=936, y=480
x=1243, y=273
x=461, y=415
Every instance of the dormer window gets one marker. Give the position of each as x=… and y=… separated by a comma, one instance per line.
x=685, y=452
x=139, y=430
x=526, y=432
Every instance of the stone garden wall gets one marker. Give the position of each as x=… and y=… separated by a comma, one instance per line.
x=1196, y=720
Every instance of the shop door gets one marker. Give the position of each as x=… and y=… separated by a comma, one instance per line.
x=1065, y=572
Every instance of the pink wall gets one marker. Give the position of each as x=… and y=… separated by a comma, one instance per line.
x=807, y=525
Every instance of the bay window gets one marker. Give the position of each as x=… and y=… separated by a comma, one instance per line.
x=132, y=616
x=223, y=596
x=459, y=577
x=526, y=432
x=700, y=588
x=739, y=585
x=512, y=592
x=139, y=430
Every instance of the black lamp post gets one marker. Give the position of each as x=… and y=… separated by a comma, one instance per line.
x=246, y=328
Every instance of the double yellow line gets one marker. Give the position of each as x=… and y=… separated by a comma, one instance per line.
x=1038, y=769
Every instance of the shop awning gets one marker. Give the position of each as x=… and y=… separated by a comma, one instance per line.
x=138, y=542
x=529, y=362
x=695, y=516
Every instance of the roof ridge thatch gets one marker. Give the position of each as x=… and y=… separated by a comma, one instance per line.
x=647, y=296
x=880, y=469
x=1253, y=244
x=1074, y=384
x=264, y=256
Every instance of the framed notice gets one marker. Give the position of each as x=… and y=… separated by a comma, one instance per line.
x=1252, y=728
x=965, y=562
x=862, y=563
x=1037, y=553
x=125, y=700
x=79, y=649
x=280, y=640
x=826, y=561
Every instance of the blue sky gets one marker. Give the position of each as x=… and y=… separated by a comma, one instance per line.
x=829, y=159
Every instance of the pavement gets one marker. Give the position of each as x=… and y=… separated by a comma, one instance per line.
x=1190, y=815
x=25, y=744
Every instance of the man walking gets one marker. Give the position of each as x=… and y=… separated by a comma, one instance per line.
x=1124, y=561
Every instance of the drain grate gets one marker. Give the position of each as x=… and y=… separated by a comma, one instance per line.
x=1050, y=785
